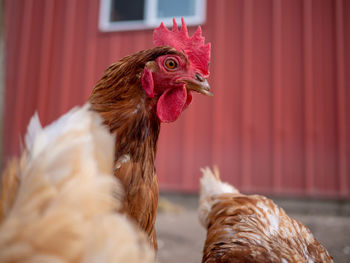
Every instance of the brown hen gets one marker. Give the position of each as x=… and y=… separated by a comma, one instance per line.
x=251, y=228
x=134, y=96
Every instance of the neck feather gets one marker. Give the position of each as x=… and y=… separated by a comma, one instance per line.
x=126, y=109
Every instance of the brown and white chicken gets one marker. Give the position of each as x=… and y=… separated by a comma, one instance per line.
x=251, y=228
x=59, y=201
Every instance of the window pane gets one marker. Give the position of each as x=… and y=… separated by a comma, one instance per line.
x=127, y=10
x=171, y=8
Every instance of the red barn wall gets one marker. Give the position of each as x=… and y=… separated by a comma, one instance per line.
x=279, y=122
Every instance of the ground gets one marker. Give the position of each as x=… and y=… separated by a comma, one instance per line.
x=181, y=237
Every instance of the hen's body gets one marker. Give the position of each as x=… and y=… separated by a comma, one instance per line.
x=134, y=96
x=131, y=115
x=242, y=228
x=63, y=206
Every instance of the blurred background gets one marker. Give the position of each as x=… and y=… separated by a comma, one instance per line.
x=278, y=124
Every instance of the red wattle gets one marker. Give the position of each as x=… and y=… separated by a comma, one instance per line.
x=171, y=103
x=147, y=82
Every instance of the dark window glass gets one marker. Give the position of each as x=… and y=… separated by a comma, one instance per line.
x=127, y=10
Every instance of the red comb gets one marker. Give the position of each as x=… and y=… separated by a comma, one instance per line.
x=197, y=52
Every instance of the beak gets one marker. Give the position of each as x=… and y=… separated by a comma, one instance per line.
x=199, y=84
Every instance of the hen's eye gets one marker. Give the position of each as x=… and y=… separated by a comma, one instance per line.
x=170, y=64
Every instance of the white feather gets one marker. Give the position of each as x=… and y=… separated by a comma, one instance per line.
x=34, y=128
x=211, y=186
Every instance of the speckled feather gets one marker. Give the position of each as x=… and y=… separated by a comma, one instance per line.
x=242, y=228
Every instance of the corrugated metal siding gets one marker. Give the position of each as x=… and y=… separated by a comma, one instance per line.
x=280, y=119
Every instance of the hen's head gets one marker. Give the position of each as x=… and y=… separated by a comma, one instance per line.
x=171, y=77
x=165, y=74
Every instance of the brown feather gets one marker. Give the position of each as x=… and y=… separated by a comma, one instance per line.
x=131, y=115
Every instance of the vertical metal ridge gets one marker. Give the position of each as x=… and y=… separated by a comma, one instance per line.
x=247, y=93
x=341, y=96
x=45, y=59
x=277, y=94
x=309, y=98
x=10, y=34
x=18, y=104
x=219, y=36
x=79, y=57
x=91, y=39
x=189, y=153
x=67, y=53
x=55, y=69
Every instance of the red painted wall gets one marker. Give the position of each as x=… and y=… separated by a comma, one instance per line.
x=279, y=122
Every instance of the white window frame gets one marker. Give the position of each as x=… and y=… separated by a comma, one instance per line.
x=150, y=17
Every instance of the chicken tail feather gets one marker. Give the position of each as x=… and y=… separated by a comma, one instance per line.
x=211, y=183
x=211, y=186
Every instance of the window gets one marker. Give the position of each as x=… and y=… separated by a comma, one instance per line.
x=118, y=15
